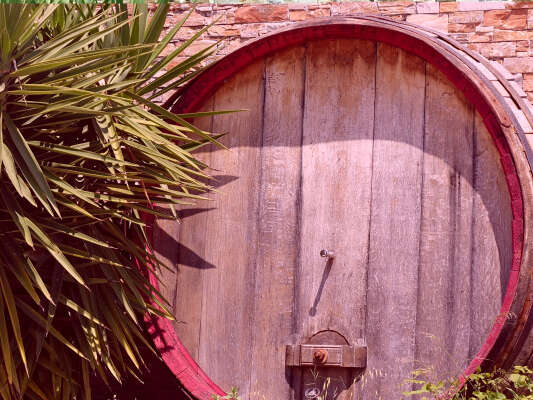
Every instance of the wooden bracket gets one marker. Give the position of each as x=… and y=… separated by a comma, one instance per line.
x=343, y=356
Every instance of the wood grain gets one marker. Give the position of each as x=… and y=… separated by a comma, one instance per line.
x=395, y=221
x=492, y=244
x=231, y=234
x=278, y=239
x=183, y=244
x=443, y=316
x=336, y=187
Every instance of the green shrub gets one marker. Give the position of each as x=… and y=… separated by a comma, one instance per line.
x=83, y=151
x=516, y=384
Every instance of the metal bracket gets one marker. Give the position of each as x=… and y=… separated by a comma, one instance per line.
x=343, y=356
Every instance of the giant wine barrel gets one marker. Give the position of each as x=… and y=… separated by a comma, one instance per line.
x=372, y=217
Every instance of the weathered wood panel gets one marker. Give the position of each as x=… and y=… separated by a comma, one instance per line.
x=336, y=179
x=278, y=239
x=232, y=233
x=443, y=312
x=395, y=221
x=492, y=244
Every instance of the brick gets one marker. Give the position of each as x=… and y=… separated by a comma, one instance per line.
x=506, y=19
x=466, y=17
x=262, y=13
x=522, y=53
x=302, y=15
x=435, y=21
x=480, y=5
x=530, y=97
x=505, y=36
x=354, y=7
x=519, y=64
x=448, y=6
x=429, y=7
x=530, y=19
x=397, y=7
x=462, y=28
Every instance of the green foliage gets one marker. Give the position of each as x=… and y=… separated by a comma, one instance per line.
x=516, y=384
x=83, y=152
x=233, y=395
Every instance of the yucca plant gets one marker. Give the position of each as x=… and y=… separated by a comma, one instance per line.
x=84, y=151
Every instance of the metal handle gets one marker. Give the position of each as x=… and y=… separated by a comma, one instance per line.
x=327, y=253
x=343, y=356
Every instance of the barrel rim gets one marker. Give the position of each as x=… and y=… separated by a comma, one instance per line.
x=457, y=63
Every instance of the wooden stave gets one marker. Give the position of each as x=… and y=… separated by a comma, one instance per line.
x=502, y=123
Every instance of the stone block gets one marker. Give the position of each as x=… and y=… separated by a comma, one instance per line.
x=223, y=31
x=197, y=46
x=435, y=21
x=527, y=83
x=502, y=49
x=506, y=19
x=519, y=4
x=506, y=35
x=466, y=17
x=197, y=19
x=480, y=37
x=480, y=5
x=262, y=13
x=397, y=7
x=302, y=15
x=519, y=64
x=460, y=37
x=484, y=29
x=462, y=28
x=427, y=7
x=523, y=45
x=343, y=8
x=448, y=6
x=480, y=48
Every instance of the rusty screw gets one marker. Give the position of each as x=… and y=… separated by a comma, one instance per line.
x=320, y=356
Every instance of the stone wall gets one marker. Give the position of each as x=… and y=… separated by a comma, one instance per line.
x=499, y=30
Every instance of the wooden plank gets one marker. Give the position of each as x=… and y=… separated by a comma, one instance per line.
x=336, y=191
x=181, y=245
x=395, y=221
x=278, y=218
x=492, y=249
x=232, y=233
x=443, y=305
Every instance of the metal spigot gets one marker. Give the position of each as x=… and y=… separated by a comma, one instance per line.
x=327, y=253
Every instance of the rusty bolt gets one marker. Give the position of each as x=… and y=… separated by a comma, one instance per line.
x=320, y=356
